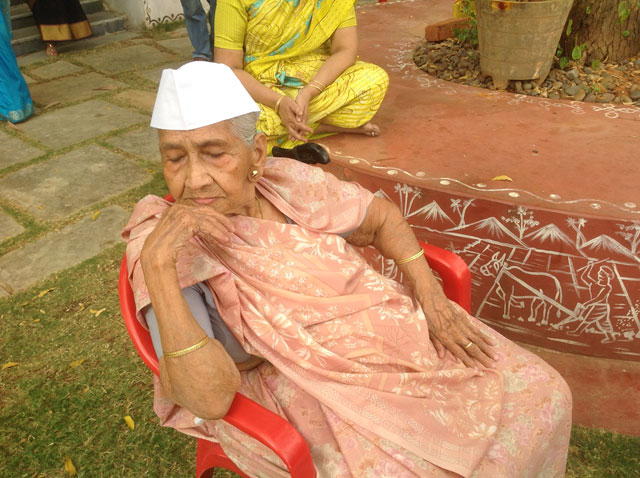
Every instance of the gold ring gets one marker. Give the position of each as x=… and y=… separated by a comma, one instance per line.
x=466, y=347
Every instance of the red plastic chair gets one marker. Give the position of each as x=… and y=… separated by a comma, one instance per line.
x=245, y=414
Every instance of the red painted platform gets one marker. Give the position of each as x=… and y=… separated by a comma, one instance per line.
x=554, y=254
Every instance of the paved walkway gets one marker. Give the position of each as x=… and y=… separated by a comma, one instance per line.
x=70, y=175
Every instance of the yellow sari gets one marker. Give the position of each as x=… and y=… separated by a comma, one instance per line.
x=285, y=42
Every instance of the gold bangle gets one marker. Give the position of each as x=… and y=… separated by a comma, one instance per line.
x=278, y=104
x=412, y=258
x=180, y=353
x=316, y=87
x=324, y=87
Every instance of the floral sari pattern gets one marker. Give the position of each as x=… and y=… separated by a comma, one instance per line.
x=348, y=357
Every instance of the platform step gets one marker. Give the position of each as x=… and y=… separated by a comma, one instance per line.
x=21, y=13
x=27, y=39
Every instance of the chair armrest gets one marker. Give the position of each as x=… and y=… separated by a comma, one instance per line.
x=137, y=333
x=273, y=431
x=456, y=278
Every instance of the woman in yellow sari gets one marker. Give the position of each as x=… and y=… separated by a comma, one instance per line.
x=298, y=60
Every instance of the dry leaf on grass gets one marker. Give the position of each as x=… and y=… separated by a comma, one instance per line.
x=75, y=363
x=502, y=177
x=95, y=215
x=130, y=423
x=69, y=467
x=45, y=292
x=9, y=365
x=7, y=287
x=105, y=88
x=97, y=312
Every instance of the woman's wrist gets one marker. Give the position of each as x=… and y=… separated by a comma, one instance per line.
x=278, y=104
x=309, y=92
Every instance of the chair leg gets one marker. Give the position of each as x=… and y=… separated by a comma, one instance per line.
x=211, y=456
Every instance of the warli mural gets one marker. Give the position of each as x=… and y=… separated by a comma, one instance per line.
x=569, y=283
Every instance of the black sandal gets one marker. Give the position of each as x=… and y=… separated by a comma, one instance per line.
x=309, y=153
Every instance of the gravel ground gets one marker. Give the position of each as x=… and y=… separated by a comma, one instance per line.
x=609, y=83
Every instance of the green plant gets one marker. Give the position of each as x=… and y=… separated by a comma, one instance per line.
x=578, y=50
x=470, y=32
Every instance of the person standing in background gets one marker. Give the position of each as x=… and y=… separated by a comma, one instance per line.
x=59, y=20
x=195, y=19
x=15, y=100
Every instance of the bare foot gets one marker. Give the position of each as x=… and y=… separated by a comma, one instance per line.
x=51, y=50
x=368, y=129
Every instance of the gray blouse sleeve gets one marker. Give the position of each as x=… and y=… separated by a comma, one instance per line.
x=203, y=308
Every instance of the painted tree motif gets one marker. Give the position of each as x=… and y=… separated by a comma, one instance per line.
x=406, y=202
x=460, y=207
x=522, y=219
x=577, y=225
x=631, y=233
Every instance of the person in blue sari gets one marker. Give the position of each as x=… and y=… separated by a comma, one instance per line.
x=15, y=100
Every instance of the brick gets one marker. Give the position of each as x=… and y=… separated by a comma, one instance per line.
x=444, y=29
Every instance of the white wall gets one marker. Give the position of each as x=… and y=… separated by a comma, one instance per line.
x=149, y=13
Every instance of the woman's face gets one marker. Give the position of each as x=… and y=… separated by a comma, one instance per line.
x=211, y=166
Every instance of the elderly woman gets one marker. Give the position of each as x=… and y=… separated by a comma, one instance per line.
x=297, y=59
x=252, y=281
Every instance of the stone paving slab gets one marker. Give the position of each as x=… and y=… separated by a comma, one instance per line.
x=13, y=151
x=77, y=123
x=73, y=88
x=31, y=58
x=60, y=186
x=55, y=70
x=154, y=74
x=95, y=42
x=178, y=32
x=181, y=45
x=142, y=143
x=140, y=98
x=8, y=227
x=125, y=59
x=28, y=79
x=60, y=250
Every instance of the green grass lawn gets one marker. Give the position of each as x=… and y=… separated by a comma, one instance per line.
x=77, y=377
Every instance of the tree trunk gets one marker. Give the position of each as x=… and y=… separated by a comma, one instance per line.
x=605, y=36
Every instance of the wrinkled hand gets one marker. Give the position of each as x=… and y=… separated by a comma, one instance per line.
x=289, y=112
x=177, y=226
x=451, y=330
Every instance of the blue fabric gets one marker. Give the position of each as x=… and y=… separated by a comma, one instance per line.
x=15, y=100
x=195, y=19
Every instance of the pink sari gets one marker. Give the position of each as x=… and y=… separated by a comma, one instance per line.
x=350, y=362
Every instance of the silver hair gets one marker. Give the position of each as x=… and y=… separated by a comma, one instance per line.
x=244, y=127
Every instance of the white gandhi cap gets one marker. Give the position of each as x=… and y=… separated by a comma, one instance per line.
x=198, y=94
